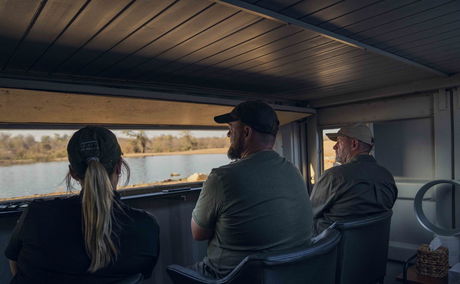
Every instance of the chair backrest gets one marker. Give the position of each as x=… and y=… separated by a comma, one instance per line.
x=363, y=249
x=310, y=264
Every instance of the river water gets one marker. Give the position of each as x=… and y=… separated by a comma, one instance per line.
x=40, y=178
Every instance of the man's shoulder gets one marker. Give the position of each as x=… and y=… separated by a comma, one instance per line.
x=363, y=161
x=336, y=175
x=336, y=171
x=229, y=168
x=369, y=161
x=225, y=175
x=385, y=173
x=354, y=168
x=256, y=160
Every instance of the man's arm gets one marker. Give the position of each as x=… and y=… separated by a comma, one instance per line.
x=323, y=193
x=206, y=212
x=199, y=233
x=13, y=267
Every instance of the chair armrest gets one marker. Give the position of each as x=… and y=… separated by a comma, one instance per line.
x=323, y=234
x=180, y=274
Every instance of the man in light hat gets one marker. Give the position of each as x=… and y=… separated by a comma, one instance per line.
x=359, y=187
x=257, y=203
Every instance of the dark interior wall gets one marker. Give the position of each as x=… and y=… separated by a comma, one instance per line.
x=406, y=149
x=173, y=213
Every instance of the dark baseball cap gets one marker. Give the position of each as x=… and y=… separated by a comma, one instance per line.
x=256, y=114
x=93, y=142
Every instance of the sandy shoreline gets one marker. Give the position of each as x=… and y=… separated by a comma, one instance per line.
x=129, y=155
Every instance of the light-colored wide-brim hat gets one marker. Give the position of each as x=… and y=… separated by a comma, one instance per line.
x=358, y=131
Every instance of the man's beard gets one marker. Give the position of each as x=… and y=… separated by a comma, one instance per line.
x=339, y=159
x=236, y=149
x=342, y=157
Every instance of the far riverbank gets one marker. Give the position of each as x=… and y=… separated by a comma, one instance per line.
x=6, y=163
x=191, y=152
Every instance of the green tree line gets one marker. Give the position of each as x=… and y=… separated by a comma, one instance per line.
x=140, y=143
x=25, y=147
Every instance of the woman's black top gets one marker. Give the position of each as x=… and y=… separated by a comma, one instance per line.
x=48, y=244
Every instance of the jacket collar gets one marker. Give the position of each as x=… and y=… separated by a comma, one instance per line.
x=362, y=158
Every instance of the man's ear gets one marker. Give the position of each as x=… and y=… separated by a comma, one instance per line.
x=247, y=131
x=354, y=144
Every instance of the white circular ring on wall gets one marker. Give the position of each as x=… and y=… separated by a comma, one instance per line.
x=422, y=219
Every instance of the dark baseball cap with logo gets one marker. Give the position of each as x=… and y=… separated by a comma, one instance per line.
x=256, y=114
x=93, y=142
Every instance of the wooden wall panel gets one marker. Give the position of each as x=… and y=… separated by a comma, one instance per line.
x=26, y=106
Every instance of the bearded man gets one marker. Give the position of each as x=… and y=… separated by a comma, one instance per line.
x=359, y=187
x=257, y=203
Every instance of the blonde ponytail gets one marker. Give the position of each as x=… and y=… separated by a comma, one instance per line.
x=97, y=208
x=95, y=158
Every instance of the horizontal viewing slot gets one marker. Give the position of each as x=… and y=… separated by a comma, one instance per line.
x=33, y=163
x=170, y=146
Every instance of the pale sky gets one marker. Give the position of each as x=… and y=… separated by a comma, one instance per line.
x=119, y=133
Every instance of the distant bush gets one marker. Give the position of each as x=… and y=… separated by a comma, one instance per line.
x=26, y=148
x=140, y=143
x=49, y=148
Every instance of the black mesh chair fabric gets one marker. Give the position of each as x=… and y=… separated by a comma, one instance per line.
x=363, y=249
x=314, y=264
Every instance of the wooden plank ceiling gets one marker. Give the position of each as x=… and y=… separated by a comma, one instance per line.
x=197, y=44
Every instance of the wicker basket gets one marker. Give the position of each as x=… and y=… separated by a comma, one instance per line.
x=432, y=263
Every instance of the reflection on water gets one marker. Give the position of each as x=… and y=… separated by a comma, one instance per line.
x=39, y=178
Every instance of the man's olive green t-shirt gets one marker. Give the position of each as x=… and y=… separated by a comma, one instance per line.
x=256, y=204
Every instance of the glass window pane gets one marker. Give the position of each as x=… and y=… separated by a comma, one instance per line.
x=328, y=151
x=33, y=163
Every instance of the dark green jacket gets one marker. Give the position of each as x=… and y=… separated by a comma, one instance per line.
x=353, y=190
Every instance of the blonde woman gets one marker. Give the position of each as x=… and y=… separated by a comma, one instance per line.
x=89, y=238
